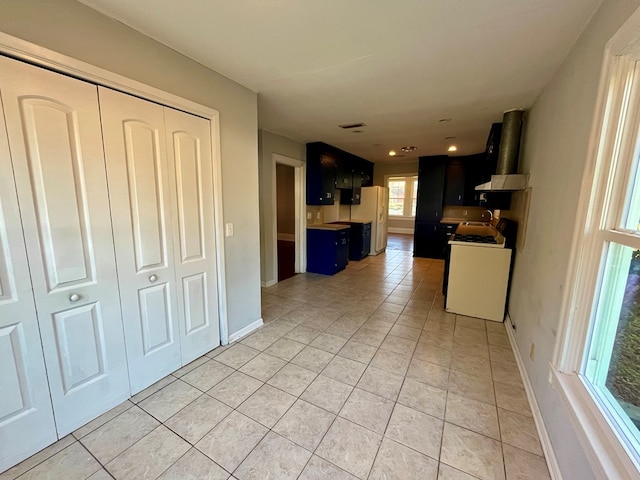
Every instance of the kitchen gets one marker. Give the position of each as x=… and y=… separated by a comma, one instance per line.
x=461, y=210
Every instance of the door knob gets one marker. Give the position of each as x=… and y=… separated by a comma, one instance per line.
x=74, y=297
x=153, y=278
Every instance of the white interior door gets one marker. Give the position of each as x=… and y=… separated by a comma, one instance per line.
x=55, y=138
x=134, y=142
x=190, y=164
x=26, y=417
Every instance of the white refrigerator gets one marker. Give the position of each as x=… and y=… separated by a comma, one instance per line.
x=373, y=206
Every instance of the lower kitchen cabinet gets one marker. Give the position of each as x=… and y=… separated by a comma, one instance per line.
x=359, y=239
x=327, y=248
x=428, y=240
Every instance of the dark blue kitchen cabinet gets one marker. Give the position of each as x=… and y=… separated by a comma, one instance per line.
x=327, y=249
x=359, y=239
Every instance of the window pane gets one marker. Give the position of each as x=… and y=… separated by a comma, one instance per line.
x=613, y=359
x=396, y=197
x=414, y=197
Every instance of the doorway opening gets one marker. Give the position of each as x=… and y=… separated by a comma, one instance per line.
x=289, y=227
x=285, y=221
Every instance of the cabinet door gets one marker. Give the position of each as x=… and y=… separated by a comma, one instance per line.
x=25, y=406
x=430, y=188
x=190, y=163
x=454, y=183
x=54, y=132
x=328, y=172
x=134, y=142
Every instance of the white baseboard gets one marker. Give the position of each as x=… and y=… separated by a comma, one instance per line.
x=246, y=330
x=268, y=283
x=545, y=441
x=408, y=231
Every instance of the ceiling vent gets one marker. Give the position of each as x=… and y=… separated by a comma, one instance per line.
x=349, y=126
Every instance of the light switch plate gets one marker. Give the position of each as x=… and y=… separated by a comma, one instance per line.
x=228, y=229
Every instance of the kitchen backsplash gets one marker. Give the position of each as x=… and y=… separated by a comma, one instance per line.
x=473, y=214
x=328, y=213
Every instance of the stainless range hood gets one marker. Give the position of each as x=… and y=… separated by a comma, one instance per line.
x=505, y=183
x=506, y=179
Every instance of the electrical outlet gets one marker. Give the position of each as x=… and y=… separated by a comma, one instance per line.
x=465, y=213
x=532, y=352
x=228, y=229
x=318, y=216
x=309, y=215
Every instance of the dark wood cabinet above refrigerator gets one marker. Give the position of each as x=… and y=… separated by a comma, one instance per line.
x=330, y=169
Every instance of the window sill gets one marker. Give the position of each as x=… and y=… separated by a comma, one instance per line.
x=399, y=217
x=608, y=455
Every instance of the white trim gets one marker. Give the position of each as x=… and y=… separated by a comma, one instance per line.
x=545, y=440
x=406, y=231
x=605, y=452
x=300, y=237
x=243, y=332
x=51, y=60
x=268, y=283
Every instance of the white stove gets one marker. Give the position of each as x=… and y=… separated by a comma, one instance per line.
x=478, y=270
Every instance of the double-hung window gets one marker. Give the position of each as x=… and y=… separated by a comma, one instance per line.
x=598, y=357
x=403, y=192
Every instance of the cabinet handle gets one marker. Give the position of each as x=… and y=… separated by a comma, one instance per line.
x=153, y=278
x=74, y=297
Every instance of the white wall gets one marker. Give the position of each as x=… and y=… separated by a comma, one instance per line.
x=72, y=29
x=554, y=154
x=270, y=143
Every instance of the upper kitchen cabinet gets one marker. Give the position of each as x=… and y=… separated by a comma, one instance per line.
x=454, y=188
x=329, y=168
x=431, y=175
x=367, y=173
x=321, y=175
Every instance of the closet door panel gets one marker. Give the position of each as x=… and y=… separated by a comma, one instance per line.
x=53, y=125
x=138, y=176
x=26, y=415
x=190, y=157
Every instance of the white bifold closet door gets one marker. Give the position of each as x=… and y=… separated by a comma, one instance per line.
x=161, y=193
x=54, y=132
x=26, y=417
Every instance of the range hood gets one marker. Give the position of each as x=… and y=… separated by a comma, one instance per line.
x=505, y=183
x=506, y=179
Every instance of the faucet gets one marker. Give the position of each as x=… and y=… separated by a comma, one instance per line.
x=490, y=215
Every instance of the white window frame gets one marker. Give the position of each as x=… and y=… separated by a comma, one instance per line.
x=602, y=204
x=408, y=190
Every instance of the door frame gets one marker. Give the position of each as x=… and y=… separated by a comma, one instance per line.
x=43, y=57
x=299, y=184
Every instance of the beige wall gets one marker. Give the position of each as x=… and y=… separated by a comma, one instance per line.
x=554, y=154
x=403, y=167
x=72, y=29
x=268, y=145
x=285, y=199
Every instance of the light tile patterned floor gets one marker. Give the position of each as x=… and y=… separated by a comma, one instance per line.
x=360, y=375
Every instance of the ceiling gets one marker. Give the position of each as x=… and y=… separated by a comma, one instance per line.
x=398, y=66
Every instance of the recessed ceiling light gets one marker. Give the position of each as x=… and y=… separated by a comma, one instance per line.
x=409, y=149
x=392, y=153
x=444, y=120
x=453, y=148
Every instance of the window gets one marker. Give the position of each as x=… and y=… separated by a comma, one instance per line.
x=599, y=360
x=403, y=192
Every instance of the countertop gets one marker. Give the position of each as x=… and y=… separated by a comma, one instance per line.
x=457, y=220
x=328, y=226
x=354, y=220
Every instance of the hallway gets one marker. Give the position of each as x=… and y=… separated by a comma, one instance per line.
x=359, y=375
